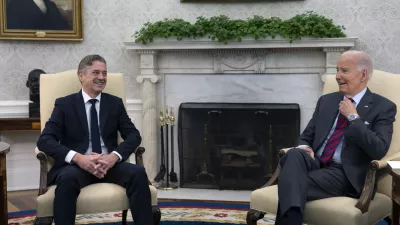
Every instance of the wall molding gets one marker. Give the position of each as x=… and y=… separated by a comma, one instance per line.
x=14, y=109
x=20, y=108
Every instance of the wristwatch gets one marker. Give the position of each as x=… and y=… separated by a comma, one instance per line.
x=352, y=117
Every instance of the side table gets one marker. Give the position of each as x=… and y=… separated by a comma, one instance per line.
x=4, y=149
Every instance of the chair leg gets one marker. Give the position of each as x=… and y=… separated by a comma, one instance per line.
x=253, y=216
x=388, y=220
x=124, y=215
x=156, y=215
x=43, y=220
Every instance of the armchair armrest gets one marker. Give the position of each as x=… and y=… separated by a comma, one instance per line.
x=42, y=157
x=369, y=185
x=139, y=158
x=274, y=177
x=139, y=155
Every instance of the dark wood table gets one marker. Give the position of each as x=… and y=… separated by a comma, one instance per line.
x=19, y=124
x=11, y=125
x=4, y=149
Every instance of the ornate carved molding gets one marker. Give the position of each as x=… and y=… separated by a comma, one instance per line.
x=186, y=52
x=237, y=51
x=237, y=60
x=153, y=78
x=336, y=49
x=146, y=52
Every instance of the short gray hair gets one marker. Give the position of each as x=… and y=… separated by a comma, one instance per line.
x=88, y=61
x=364, y=61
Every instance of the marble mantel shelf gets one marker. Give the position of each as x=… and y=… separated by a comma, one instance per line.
x=205, y=43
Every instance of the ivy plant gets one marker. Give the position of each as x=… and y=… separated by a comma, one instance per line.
x=223, y=29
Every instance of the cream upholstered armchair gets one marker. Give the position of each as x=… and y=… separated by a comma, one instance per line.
x=112, y=197
x=344, y=210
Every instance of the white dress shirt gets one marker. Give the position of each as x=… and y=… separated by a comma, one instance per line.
x=41, y=5
x=88, y=106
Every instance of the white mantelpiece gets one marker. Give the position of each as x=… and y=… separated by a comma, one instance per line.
x=174, y=71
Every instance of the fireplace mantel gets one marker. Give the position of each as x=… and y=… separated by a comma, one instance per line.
x=203, y=56
x=246, y=43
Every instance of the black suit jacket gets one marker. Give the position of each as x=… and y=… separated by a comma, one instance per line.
x=367, y=139
x=25, y=14
x=67, y=129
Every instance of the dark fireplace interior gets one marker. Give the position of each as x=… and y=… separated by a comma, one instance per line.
x=233, y=145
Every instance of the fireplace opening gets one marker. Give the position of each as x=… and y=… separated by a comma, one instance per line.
x=233, y=145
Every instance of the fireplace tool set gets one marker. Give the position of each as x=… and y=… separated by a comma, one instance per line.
x=167, y=121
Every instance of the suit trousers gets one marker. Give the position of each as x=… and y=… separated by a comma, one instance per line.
x=302, y=179
x=71, y=179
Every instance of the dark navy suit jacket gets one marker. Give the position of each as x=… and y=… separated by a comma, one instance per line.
x=367, y=139
x=67, y=129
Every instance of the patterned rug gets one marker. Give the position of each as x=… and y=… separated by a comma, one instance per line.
x=173, y=213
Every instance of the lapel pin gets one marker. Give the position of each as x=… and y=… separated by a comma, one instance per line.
x=366, y=123
x=365, y=106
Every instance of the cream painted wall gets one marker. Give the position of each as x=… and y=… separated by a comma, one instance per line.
x=375, y=22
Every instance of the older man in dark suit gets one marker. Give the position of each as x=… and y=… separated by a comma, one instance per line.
x=82, y=137
x=348, y=130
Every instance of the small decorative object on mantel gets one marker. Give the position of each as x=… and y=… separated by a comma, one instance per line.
x=223, y=29
x=33, y=83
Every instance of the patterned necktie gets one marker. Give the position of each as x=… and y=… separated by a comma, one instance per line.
x=334, y=140
x=94, y=128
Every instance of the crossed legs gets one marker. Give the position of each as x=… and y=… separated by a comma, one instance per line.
x=302, y=179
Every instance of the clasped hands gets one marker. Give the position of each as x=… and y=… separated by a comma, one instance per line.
x=96, y=164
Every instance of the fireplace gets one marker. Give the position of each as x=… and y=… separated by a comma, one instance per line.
x=202, y=70
x=233, y=145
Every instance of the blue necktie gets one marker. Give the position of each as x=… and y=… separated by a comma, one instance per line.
x=94, y=128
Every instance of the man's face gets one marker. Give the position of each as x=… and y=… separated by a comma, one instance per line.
x=350, y=80
x=94, y=78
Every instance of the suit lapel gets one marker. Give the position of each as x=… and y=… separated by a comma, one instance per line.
x=80, y=108
x=103, y=111
x=330, y=113
x=365, y=104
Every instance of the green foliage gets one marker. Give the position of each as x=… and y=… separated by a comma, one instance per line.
x=223, y=29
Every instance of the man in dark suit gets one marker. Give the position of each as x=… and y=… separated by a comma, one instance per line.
x=81, y=135
x=348, y=130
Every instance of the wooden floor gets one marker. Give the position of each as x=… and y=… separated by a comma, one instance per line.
x=21, y=200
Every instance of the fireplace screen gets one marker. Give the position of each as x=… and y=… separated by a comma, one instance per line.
x=233, y=145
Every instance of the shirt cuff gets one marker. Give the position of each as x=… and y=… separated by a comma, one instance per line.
x=120, y=157
x=69, y=156
x=303, y=146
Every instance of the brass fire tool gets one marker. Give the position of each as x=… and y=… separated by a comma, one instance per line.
x=204, y=176
x=172, y=174
x=163, y=170
x=167, y=185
